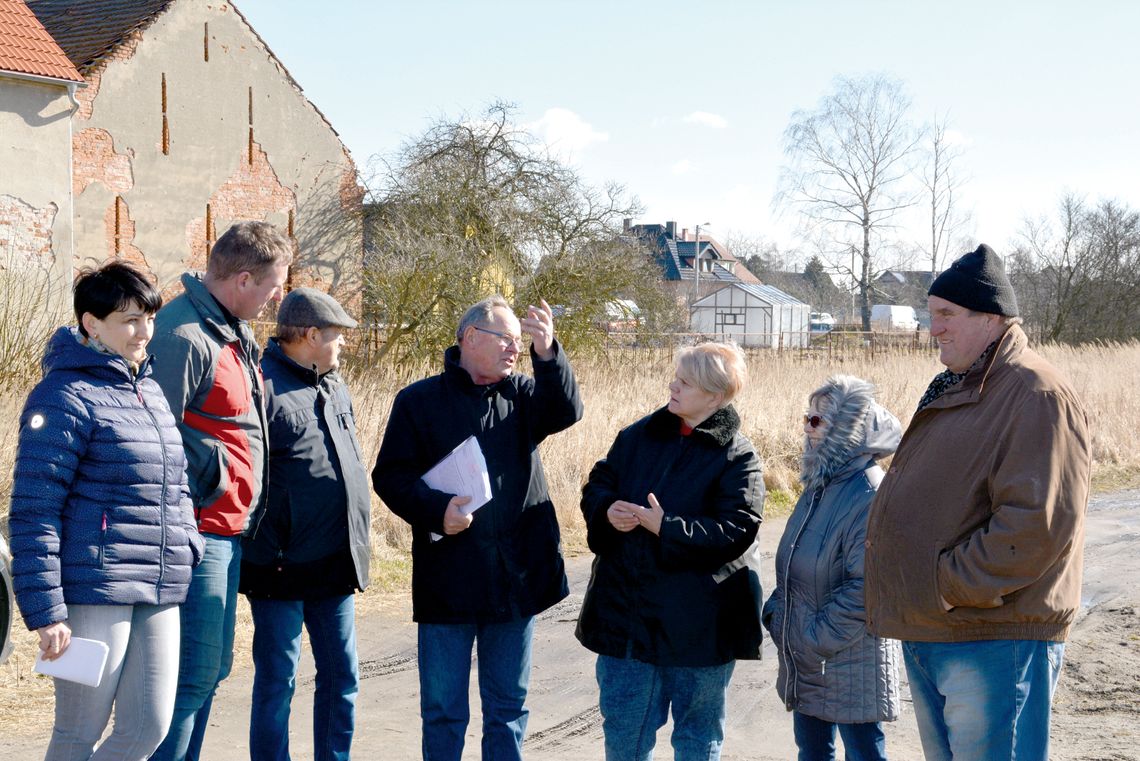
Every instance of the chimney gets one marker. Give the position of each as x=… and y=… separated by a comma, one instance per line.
x=627, y=225
x=671, y=229
x=684, y=233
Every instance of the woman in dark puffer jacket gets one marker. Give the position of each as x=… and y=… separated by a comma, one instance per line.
x=674, y=597
x=102, y=527
x=833, y=673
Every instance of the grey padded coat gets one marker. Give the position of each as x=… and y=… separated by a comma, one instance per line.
x=830, y=666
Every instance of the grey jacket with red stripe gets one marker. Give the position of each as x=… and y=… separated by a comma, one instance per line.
x=206, y=362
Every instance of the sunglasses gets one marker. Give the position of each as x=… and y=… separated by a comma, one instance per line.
x=813, y=420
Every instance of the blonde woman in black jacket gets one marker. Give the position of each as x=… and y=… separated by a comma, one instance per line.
x=674, y=597
x=833, y=672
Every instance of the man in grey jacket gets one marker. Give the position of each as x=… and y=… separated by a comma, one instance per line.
x=309, y=550
x=206, y=361
x=975, y=538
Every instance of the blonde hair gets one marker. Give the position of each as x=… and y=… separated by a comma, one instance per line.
x=717, y=368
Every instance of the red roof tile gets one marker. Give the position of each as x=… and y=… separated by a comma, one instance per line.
x=27, y=48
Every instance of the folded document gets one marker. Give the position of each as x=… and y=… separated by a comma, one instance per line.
x=83, y=662
x=463, y=472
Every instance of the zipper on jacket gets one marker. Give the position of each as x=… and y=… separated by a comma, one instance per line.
x=257, y=398
x=103, y=539
x=793, y=670
x=162, y=499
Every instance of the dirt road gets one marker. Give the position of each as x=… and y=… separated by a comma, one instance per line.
x=1097, y=711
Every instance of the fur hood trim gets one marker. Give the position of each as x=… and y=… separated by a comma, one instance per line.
x=860, y=429
x=718, y=428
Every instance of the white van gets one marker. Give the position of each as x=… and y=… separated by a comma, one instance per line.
x=888, y=318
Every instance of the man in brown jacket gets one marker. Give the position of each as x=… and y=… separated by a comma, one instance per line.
x=975, y=539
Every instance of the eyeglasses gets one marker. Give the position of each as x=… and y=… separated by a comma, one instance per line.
x=814, y=420
x=504, y=338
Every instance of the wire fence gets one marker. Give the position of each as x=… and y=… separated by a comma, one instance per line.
x=621, y=347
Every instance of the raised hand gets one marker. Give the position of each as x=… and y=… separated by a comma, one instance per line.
x=539, y=325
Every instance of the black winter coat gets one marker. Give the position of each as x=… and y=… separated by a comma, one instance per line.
x=691, y=596
x=312, y=540
x=508, y=564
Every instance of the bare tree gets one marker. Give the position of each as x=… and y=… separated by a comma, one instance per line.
x=850, y=163
x=1078, y=274
x=942, y=184
x=478, y=206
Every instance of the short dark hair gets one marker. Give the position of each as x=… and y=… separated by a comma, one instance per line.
x=111, y=288
x=253, y=247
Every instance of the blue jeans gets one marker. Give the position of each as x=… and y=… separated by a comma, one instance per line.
x=635, y=698
x=503, y=653
x=983, y=700
x=276, y=648
x=207, y=646
x=816, y=739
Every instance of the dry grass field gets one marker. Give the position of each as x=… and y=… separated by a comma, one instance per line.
x=618, y=389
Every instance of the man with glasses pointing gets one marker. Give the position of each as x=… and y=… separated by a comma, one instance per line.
x=478, y=579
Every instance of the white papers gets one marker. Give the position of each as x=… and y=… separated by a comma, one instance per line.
x=81, y=662
x=463, y=472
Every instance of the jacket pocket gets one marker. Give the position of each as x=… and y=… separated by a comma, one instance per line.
x=348, y=430
x=212, y=479
x=939, y=548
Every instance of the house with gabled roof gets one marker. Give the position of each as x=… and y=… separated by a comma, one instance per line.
x=38, y=85
x=692, y=267
x=189, y=122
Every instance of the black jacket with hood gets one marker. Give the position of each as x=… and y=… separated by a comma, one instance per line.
x=690, y=596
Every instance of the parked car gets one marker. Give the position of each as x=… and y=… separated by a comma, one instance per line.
x=7, y=601
x=820, y=322
x=893, y=318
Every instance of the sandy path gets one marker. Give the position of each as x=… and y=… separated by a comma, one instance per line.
x=1097, y=714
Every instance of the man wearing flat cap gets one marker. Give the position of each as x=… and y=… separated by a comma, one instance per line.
x=306, y=556
x=975, y=538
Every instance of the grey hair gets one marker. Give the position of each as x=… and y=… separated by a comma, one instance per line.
x=480, y=313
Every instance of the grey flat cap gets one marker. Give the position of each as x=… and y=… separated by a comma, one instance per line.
x=309, y=308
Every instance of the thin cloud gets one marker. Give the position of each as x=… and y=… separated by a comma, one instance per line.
x=566, y=132
x=704, y=118
x=684, y=166
x=956, y=138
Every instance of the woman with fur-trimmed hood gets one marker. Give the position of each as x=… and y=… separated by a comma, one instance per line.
x=833, y=672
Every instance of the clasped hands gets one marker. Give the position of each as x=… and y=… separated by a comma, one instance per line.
x=626, y=516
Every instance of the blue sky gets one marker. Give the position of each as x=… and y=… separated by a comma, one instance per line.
x=685, y=103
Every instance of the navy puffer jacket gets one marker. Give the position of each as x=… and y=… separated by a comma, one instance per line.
x=101, y=512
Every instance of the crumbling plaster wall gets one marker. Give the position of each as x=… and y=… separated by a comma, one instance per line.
x=35, y=175
x=298, y=169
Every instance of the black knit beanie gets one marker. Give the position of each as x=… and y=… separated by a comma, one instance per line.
x=977, y=281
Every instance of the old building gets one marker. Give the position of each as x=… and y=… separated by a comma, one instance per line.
x=38, y=85
x=189, y=123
